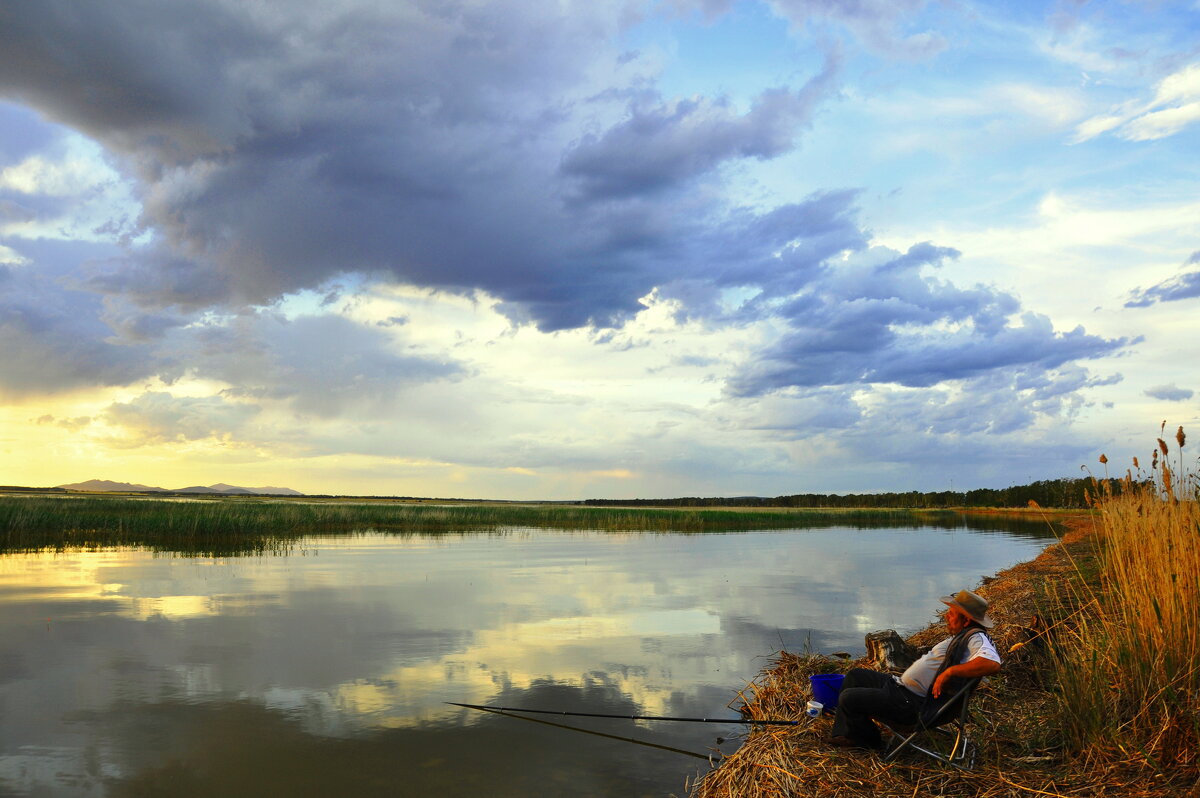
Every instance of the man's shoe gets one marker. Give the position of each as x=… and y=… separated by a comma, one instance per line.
x=845, y=742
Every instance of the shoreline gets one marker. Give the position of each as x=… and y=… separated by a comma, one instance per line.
x=1014, y=728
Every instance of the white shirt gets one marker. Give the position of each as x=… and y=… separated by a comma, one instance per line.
x=920, y=675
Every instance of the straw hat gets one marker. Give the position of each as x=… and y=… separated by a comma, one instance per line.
x=972, y=604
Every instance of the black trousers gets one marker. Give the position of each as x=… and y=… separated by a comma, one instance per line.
x=868, y=694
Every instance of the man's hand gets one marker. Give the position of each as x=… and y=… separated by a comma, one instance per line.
x=979, y=666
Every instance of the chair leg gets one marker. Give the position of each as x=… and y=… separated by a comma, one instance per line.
x=895, y=748
x=962, y=752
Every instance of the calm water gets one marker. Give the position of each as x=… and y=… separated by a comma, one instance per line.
x=324, y=672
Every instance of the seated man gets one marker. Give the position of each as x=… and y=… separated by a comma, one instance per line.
x=868, y=694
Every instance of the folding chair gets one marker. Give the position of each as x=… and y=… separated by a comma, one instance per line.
x=940, y=732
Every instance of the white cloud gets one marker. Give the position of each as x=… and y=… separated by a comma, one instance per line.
x=67, y=191
x=1176, y=104
x=9, y=256
x=1053, y=106
x=1160, y=124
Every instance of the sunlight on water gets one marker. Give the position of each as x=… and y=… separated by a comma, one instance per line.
x=114, y=663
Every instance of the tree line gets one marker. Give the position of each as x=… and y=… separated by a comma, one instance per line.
x=1065, y=493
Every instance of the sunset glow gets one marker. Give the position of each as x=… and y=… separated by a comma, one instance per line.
x=566, y=250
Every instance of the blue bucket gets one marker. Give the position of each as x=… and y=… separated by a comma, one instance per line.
x=826, y=687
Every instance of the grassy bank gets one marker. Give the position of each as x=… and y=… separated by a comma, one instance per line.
x=240, y=525
x=1100, y=691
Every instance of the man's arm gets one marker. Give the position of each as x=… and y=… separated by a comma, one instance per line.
x=979, y=666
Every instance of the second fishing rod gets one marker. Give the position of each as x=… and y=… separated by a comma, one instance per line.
x=744, y=721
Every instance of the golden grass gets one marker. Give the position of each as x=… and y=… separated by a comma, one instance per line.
x=1129, y=668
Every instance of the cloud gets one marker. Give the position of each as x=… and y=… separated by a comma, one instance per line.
x=494, y=159
x=1181, y=286
x=663, y=145
x=54, y=339
x=64, y=190
x=1169, y=393
x=320, y=365
x=1175, y=106
x=876, y=23
x=8, y=256
x=773, y=254
x=879, y=25
x=804, y=414
x=160, y=417
x=69, y=424
x=460, y=148
x=877, y=319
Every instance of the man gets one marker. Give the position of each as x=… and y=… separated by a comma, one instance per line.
x=868, y=694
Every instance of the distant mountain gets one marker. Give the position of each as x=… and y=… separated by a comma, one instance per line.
x=223, y=488
x=104, y=484
x=220, y=487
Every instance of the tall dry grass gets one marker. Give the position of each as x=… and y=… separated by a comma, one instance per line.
x=1129, y=671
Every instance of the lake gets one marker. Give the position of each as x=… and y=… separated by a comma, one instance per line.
x=323, y=671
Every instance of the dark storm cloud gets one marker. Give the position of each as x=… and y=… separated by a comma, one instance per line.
x=137, y=74
x=1182, y=286
x=154, y=276
x=889, y=323
x=777, y=253
x=664, y=145
x=431, y=143
x=461, y=148
x=784, y=248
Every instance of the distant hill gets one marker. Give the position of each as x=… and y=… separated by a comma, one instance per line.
x=223, y=488
x=220, y=487
x=105, y=484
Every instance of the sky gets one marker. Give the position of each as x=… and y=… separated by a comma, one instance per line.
x=563, y=250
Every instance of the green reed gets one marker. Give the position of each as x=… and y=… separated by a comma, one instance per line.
x=242, y=525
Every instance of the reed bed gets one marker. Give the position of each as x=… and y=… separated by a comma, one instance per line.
x=1129, y=668
x=246, y=525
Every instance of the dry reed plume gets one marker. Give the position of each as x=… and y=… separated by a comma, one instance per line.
x=1129, y=670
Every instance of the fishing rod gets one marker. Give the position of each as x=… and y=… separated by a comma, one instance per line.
x=630, y=717
x=634, y=740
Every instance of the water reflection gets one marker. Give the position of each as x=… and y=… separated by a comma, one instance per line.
x=326, y=673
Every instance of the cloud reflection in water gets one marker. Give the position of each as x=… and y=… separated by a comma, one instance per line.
x=136, y=669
